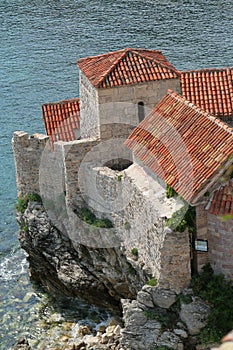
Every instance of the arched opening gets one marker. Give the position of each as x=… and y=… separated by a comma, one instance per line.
x=141, y=111
x=118, y=164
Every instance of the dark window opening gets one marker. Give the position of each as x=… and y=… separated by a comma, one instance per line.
x=118, y=164
x=141, y=111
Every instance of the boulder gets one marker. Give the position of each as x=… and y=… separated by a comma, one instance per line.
x=195, y=315
x=145, y=299
x=170, y=340
x=163, y=297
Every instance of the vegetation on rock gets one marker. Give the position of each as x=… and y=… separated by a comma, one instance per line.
x=152, y=282
x=182, y=219
x=170, y=192
x=134, y=251
x=89, y=217
x=22, y=204
x=217, y=292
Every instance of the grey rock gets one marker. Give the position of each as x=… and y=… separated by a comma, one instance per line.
x=99, y=275
x=195, y=315
x=22, y=344
x=170, y=340
x=181, y=333
x=144, y=298
x=163, y=297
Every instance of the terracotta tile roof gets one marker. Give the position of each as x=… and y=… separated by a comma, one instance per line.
x=127, y=66
x=183, y=145
x=61, y=119
x=210, y=89
x=222, y=200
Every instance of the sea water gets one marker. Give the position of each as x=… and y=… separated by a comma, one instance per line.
x=40, y=41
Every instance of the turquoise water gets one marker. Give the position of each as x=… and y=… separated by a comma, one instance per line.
x=40, y=43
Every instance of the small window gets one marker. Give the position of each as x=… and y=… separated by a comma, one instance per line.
x=141, y=111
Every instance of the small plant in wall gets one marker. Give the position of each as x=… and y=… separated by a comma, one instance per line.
x=134, y=251
x=119, y=177
x=89, y=217
x=184, y=218
x=152, y=282
x=170, y=192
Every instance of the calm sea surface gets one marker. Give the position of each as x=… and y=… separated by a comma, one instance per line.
x=40, y=42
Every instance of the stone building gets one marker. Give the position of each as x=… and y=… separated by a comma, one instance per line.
x=182, y=138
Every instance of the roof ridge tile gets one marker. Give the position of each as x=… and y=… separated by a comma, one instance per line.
x=100, y=69
x=124, y=52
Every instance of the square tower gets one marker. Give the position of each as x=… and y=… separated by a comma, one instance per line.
x=118, y=89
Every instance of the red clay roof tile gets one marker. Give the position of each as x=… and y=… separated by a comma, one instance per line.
x=127, y=66
x=61, y=119
x=222, y=200
x=210, y=89
x=182, y=144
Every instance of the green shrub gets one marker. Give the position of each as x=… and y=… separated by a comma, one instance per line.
x=184, y=218
x=170, y=192
x=22, y=204
x=166, y=318
x=181, y=298
x=89, y=217
x=104, y=223
x=217, y=292
x=152, y=282
x=119, y=177
x=134, y=251
x=152, y=314
x=24, y=226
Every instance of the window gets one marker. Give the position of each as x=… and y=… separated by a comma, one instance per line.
x=141, y=111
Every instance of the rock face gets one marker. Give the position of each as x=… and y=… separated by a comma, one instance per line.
x=97, y=274
x=194, y=315
x=22, y=344
x=153, y=316
x=144, y=329
x=158, y=318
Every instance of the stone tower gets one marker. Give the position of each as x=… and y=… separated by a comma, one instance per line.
x=119, y=88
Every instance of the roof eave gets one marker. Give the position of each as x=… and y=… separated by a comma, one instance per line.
x=210, y=182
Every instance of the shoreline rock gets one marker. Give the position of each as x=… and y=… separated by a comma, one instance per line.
x=152, y=316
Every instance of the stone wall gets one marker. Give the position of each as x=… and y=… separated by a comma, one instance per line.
x=74, y=174
x=202, y=258
x=220, y=245
x=129, y=201
x=89, y=109
x=28, y=152
x=119, y=105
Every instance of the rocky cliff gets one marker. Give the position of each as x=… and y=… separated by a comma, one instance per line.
x=153, y=317
x=99, y=275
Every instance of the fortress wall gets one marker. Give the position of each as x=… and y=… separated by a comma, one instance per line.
x=175, y=261
x=161, y=253
x=220, y=245
x=89, y=109
x=27, y=154
x=119, y=105
x=76, y=155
